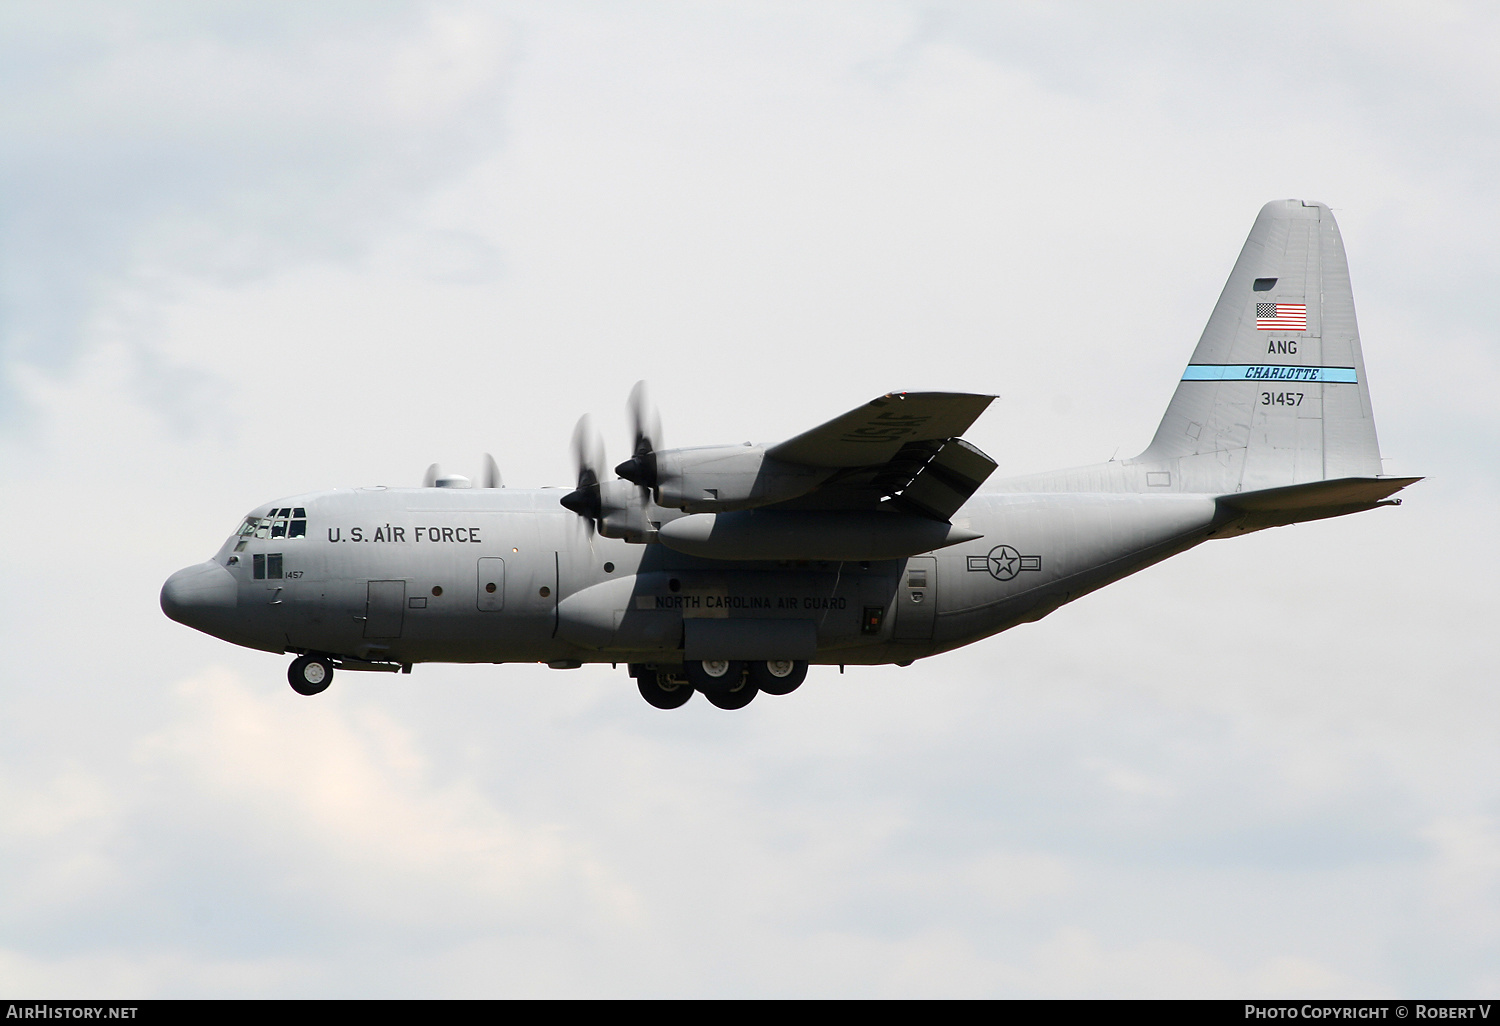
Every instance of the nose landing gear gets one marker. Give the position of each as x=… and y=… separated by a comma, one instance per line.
x=310, y=675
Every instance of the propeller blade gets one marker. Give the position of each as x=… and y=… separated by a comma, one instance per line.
x=588, y=451
x=588, y=456
x=491, y=475
x=645, y=424
x=429, y=479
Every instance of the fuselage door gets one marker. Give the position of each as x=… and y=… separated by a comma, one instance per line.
x=916, y=599
x=491, y=584
x=385, y=609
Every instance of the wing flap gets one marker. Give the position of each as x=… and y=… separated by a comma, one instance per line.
x=946, y=482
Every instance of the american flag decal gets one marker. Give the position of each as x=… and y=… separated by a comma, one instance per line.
x=1281, y=316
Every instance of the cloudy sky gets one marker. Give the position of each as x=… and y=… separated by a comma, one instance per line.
x=249, y=250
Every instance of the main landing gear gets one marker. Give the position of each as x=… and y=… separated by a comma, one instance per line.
x=778, y=676
x=726, y=683
x=661, y=689
x=310, y=675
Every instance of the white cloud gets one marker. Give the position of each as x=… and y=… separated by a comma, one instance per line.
x=157, y=144
x=344, y=808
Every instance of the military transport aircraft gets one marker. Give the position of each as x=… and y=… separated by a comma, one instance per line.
x=728, y=569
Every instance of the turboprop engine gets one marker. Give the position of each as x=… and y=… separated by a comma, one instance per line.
x=616, y=509
x=623, y=513
x=724, y=478
x=888, y=478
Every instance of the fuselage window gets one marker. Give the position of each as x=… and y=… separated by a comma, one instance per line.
x=266, y=566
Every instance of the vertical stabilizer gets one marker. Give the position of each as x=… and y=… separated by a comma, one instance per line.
x=1275, y=393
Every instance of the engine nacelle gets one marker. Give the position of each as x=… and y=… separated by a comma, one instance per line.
x=624, y=513
x=721, y=478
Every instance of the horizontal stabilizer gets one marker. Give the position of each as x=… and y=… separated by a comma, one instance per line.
x=1316, y=500
x=877, y=431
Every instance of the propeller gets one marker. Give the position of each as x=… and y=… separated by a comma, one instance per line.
x=617, y=508
x=588, y=455
x=645, y=423
x=491, y=475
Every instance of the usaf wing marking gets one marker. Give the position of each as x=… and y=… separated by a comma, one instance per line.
x=729, y=569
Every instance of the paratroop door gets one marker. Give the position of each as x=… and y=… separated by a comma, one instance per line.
x=491, y=584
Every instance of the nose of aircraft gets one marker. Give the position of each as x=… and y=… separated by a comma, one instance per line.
x=199, y=595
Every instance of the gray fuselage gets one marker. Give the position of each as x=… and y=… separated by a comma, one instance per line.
x=507, y=575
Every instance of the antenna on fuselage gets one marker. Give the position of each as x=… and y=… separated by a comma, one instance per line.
x=491, y=474
x=435, y=478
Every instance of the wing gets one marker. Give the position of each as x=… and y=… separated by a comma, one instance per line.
x=876, y=432
x=880, y=482
x=901, y=451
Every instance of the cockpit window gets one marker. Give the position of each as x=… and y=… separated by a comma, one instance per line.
x=285, y=522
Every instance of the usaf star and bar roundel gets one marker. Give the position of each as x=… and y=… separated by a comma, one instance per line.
x=1003, y=563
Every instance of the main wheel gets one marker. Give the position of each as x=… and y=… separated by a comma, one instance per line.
x=711, y=675
x=310, y=675
x=778, y=676
x=661, y=691
x=736, y=697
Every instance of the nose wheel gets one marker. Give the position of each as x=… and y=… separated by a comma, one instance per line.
x=310, y=675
